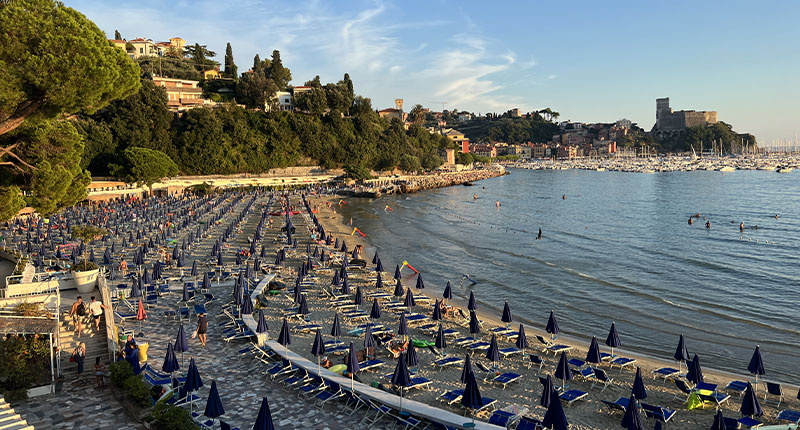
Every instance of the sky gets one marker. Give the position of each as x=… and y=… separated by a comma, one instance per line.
x=590, y=61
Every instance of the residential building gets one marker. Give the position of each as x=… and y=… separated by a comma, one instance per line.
x=540, y=150
x=178, y=43
x=484, y=150
x=162, y=48
x=211, y=74
x=458, y=138
x=450, y=156
x=182, y=94
x=392, y=113
x=143, y=48
x=118, y=43
x=464, y=116
x=284, y=100
x=522, y=151
x=514, y=113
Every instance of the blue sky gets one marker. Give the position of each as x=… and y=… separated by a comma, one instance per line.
x=591, y=61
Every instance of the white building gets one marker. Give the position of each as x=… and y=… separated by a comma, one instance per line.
x=284, y=99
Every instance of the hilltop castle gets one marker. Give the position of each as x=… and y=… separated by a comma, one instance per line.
x=669, y=123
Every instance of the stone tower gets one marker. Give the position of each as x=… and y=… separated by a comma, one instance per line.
x=398, y=103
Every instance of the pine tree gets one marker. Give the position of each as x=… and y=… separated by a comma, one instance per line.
x=256, y=62
x=230, y=66
x=117, y=36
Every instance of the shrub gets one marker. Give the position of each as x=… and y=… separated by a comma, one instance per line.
x=120, y=371
x=84, y=266
x=30, y=310
x=168, y=417
x=137, y=390
x=24, y=363
x=15, y=395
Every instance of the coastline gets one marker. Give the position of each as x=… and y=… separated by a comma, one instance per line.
x=780, y=163
x=336, y=224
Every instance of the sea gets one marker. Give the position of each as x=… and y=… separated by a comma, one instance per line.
x=615, y=247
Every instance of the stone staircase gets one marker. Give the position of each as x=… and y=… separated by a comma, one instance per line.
x=95, y=341
x=28, y=273
x=10, y=420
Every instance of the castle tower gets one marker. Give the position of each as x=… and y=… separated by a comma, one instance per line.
x=662, y=110
x=398, y=103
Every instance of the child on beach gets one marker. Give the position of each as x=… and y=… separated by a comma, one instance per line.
x=99, y=372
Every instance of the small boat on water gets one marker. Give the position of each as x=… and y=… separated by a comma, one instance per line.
x=601, y=169
x=784, y=169
x=468, y=184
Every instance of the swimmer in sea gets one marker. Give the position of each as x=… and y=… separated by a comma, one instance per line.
x=563, y=197
x=474, y=197
x=498, y=204
x=691, y=220
x=708, y=224
x=741, y=226
x=539, y=236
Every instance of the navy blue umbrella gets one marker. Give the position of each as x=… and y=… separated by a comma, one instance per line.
x=411, y=356
x=262, y=322
x=638, y=385
x=593, y=355
x=303, y=308
x=247, y=306
x=181, y=344
x=318, y=349
x=336, y=330
x=345, y=286
x=409, y=302
x=206, y=281
x=375, y=257
x=441, y=340
x=548, y=389
x=522, y=340
x=369, y=340
x=170, y=360
x=401, y=377
x=133, y=358
x=135, y=289
x=695, y=373
x=214, y=407
x=420, y=284
x=358, y=299
x=756, y=366
x=379, y=266
x=474, y=324
x=375, y=313
x=719, y=421
x=378, y=281
x=471, y=399
x=264, y=419
x=193, y=380
x=681, y=354
x=506, y=318
x=750, y=404
x=398, y=289
x=147, y=279
x=612, y=340
x=467, y=369
x=402, y=329
x=631, y=420
x=552, y=325
x=437, y=312
x=471, y=303
x=352, y=364
x=284, y=337
x=493, y=353
x=219, y=258
x=397, y=274
x=563, y=372
x=554, y=418
x=448, y=291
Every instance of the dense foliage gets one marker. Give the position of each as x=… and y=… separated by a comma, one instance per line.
x=721, y=135
x=168, y=417
x=510, y=130
x=24, y=364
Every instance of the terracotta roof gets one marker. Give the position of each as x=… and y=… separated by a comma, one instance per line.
x=389, y=110
x=116, y=41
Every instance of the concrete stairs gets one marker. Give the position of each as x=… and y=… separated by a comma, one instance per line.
x=95, y=341
x=10, y=420
x=28, y=273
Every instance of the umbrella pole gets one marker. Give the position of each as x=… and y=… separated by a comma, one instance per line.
x=319, y=367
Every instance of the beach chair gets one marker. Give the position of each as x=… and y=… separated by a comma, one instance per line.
x=332, y=392
x=305, y=328
x=500, y=331
x=299, y=378
x=370, y=364
x=528, y=423
x=353, y=402
x=429, y=328
x=199, y=309
x=507, y=352
x=657, y=412
x=600, y=377
x=503, y=418
x=717, y=398
x=622, y=362
x=683, y=390
x=124, y=316
x=478, y=346
x=277, y=368
x=419, y=382
x=620, y=405
x=451, y=396
x=535, y=360
x=466, y=340
x=666, y=373
x=408, y=421
x=572, y=396
x=448, y=361
x=506, y=378
x=774, y=391
x=487, y=372
x=749, y=422
x=375, y=412
x=789, y=415
x=576, y=363
x=311, y=388
x=737, y=386
x=585, y=374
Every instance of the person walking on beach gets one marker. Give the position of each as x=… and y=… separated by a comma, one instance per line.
x=78, y=355
x=202, y=327
x=77, y=312
x=96, y=308
x=99, y=372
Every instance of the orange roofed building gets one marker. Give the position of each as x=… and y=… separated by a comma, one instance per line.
x=182, y=94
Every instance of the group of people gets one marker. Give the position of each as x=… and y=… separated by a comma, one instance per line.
x=78, y=312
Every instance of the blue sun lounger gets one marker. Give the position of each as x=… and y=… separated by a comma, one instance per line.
x=789, y=415
x=622, y=362
x=572, y=396
x=370, y=364
x=666, y=373
x=464, y=340
x=506, y=378
x=737, y=386
x=657, y=412
x=415, y=318
x=448, y=361
x=620, y=405
x=419, y=382
x=429, y=328
x=452, y=396
x=500, y=331
x=503, y=418
x=506, y=352
x=478, y=346
x=528, y=423
x=305, y=328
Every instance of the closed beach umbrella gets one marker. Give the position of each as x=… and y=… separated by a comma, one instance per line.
x=756, y=366
x=264, y=419
x=193, y=380
x=612, y=340
x=593, y=355
x=631, y=420
x=375, y=313
x=471, y=302
x=638, y=385
x=141, y=315
x=402, y=329
x=369, y=341
x=352, y=364
x=147, y=279
x=471, y=399
x=695, y=373
x=467, y=369
x=318, y=349
x=409, y=301
x=214, y=407
x=681, y=354
x=522, y=340
x=554, y=418
x=379, y=282
x=547, y=390
x=345, y=286
x=420, y=284
x=493, y=353
x=563, y=372
x=441, y=340
x=247, y=306
x=398, y=289
x=181, y=344
x=552, y=325
x=375, y=257
x=397, y=274
x=401, y=377
x=411, y=355
x=448, y=291
x=719, y=421
x=170, y=360
x=437, y=312
x=206, y=281
x=358, y=299
x=506, y=318
x=336, y=329
x=379, y=266
x=262, y=322
x=344, y=247
x=303, y=307
x=474, y=324
x=284, y=337
x=750, y=404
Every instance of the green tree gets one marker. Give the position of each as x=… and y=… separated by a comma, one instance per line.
x=145, y=167
x=230, y=66
x=117, y=36
x=417, y=115
x=99, y=149
x=255, y=88
x=54, y=60
x=200, y=55
x=280, y=75
x=312, y=101
x=87, y=234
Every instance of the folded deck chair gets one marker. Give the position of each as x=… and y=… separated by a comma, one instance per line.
x=572, y=396
x=774, y=391
x=506, y=378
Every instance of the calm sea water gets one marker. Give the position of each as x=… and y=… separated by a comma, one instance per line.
x=618, y=248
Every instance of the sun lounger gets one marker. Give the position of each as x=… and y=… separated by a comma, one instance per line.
x=507, y=352
x=620, y=405
x=340, y=349
x=315, y=385
x=477, y=346
x=774, y=391
x=331, y=392
x=464, y=340
x=717, y=398
x=622, y=362
x=488, y=403
x=572, y=396
x=448, y=361
x=604, y=356
x=429, y=328
x=657, y=412
x=353, y=402
x=199, y=309
x=333, y=343
x=506, y=378
x=535, y=360
x=749, y=422
x=585, y=373
x=600, y=377
x=789, y=415
x=375, y=412
x=500, y=331
x=370, y=364
x=305, y=328
x=551, y=347
x=666, y=373
x=737, y=386
x=124, y=315
x=503, y=418
x=528, y=423
x=415, y=318
x=451, y=397
x=577, y=363
x=299, y=378
x=419, y=382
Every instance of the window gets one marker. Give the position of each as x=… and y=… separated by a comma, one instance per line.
x=141, y=50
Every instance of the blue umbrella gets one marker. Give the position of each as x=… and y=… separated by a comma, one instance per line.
x=181, y=344
x=547, y=390
x=397, y=274
x=695, y=373
x=303, y=308
x=206, y=281
x=369, y=341
x=467, y=369
x=378, y=281
x=133, y=358
x=471, y=303
x=612, y=340
x=632, y=420
x=593, y=355
x=750, y=404
x=554, y=418
x=358, y=299
x=336, y=330
x=219, y=258
x=441, y=340
x=214, y=407
x=756, y=366
x=398, y=289
x=247, y=306
x=375, y=257
x=352, y=364
x=379, y=266
x=264, y=419
x=193, y=380
x=411, y=356
x=170, y=360
x=719, y=421
x=471, y=399
x=437, y=312
x=638, y=385
x=681, y=354
x=318, y=349
x=522, y=339
x=146, y=277
x=474, y=324
x=420, y=284
x=375, y=313
x=185, y=296
x=409, y=302
x=284, y=338
x=552, y=325
x=563, y=372
x=448, y=291
x=135, y=289
x=402, y=329
x=262, y=322
x=506, y=318
x=493, y=353
x=401, y=377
